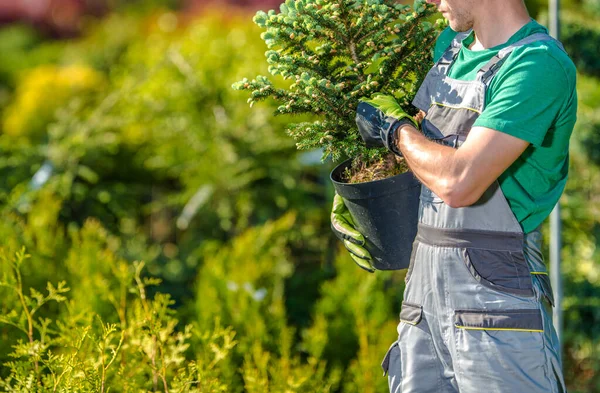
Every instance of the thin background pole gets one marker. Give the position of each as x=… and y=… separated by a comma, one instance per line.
x=555, y=223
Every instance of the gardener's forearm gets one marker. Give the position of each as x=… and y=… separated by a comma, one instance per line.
x=460, y=176
x=435, y=165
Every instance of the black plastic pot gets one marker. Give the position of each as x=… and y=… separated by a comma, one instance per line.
x=386, y=213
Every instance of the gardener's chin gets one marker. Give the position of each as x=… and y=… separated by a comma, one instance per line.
x=458, y=24
x=459, y=27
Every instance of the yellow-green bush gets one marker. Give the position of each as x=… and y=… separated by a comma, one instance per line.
x=41, y=92
x=145, y=350
x=110, y=331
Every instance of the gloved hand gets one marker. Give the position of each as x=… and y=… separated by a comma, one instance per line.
x=378, y=118
x=343, y=226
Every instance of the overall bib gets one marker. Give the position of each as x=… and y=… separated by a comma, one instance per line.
x=476, y=315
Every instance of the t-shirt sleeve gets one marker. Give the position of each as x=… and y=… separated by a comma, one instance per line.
x=525, y=100
x=443, y=42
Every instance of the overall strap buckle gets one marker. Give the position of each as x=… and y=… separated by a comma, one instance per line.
x=488, y=71
x=447, y=59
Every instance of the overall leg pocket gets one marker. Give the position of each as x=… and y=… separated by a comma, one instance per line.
x=392, y=364
x=417, y=369
x=500, y=270
x=501, y=351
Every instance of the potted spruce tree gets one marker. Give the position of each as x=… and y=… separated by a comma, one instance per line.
x=336, y=52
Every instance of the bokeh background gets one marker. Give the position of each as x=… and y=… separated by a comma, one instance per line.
x=159, y=235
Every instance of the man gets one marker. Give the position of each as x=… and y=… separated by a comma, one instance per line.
x=500, y=105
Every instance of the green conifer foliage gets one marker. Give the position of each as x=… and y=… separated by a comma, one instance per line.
x=335, y=52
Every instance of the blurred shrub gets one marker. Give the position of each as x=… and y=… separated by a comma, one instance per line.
x=112, y=332
x=165, y=152
x=581, y=38
x=587, y=128
x=81, y=352
x=593, y=6
x=43, y=90
x=168, y=159
x=535, y=7
x=539, y=8
x=250, y=298
x=143, y=6
x=581, y=276
x=354, y=324
x=581, y=236
x=22, y=47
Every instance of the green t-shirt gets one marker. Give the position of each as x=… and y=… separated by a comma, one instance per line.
x=532, y=97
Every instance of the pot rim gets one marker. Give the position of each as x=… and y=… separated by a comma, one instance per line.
x=372, y=189
x=346, y=163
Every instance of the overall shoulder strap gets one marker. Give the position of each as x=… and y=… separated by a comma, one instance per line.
x=444, y=62
x=489, y=70
x=427, y=90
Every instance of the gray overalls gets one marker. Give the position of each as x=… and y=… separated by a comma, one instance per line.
x=476, y=311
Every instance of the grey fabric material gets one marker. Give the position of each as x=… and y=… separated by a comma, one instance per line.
x=461, y=125
x=535, y=260
x=457, y=275
x=447, y=237
x=484, y=215
x=411, y=313
x=499, y=320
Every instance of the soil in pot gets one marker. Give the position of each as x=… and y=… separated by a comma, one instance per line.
x=361, y=172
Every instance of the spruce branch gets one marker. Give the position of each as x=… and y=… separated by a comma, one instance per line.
x=336, y=52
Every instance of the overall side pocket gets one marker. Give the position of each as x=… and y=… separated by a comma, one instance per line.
x=410, y=314
x=500, y=270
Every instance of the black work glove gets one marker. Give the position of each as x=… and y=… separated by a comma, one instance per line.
x=378, y=119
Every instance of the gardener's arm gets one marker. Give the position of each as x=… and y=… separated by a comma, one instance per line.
x=460, y=176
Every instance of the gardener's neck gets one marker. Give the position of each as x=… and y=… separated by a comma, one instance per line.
x=497, y=22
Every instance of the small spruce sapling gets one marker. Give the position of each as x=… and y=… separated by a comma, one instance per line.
x=336, y=52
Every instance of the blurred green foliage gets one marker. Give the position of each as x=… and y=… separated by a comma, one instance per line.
x=141, y=151
x=582, y=42
x=592, y=5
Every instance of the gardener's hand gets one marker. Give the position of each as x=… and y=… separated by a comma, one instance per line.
x=378, y=118
x=343, y=226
